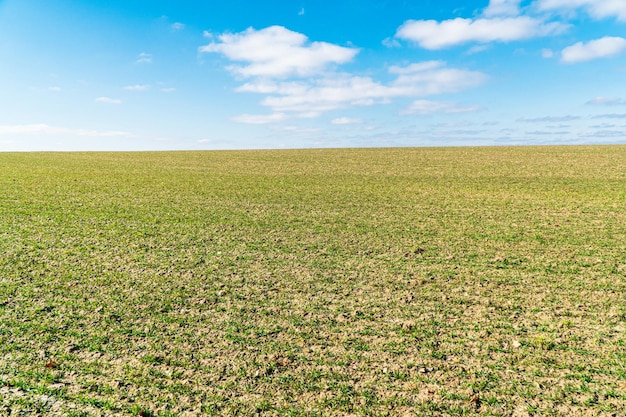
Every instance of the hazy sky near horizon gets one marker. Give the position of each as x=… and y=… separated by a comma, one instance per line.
x=183, y=74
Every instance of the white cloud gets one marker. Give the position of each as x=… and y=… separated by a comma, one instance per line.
x=260, y=119
x=345, y=121
x=431, y=34
x=325, y=94
x=548, y=132
x=606, y=134
x=547, y=53
x=108, y=100
x=476, y=49
x=277, y=52
x=391, y=43
x=610, y=116
x=606, y=101
x=267, y=87
x=416, y=67
x=598, y=9
x=598, y=48
x=424, y=107
x=137, y=87
x=344, y=90
x=54, y=89
x=549, y=119
x=177, y=26
x=455, y=124
x=301, y=12
x=431, y=78
x=294, y=77
x=308, y=115
x=296, y=129
x=502, y=8
x=168, y=89
x=604, y=126
x=144, y=58
x=45, y=129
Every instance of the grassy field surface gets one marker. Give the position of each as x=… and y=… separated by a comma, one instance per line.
x=449, y=281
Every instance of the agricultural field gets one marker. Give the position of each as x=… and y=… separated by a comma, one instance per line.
x=352, y=282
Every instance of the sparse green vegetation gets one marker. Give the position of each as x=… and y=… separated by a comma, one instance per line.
x=450, y=281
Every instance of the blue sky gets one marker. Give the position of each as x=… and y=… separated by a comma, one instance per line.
x=240, y=74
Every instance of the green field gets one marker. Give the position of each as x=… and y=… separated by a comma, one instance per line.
x=433, y=281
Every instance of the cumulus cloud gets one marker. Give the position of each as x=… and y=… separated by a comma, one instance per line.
x=259, y=119
x=344, y=90
x=108, y=100
x=177, y=26
x=431, y=34
x=325, y=94
x=606, y=101
x=598, y=48
x=297, y=79
x=345, y=121
x=423, y=107
x=598, y=9
x=277, y=52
